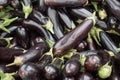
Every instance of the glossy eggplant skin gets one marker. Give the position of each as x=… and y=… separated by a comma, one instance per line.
x=8, y=54
x=65, y=3
x=73, y=38
x=29, y=71
x=114, y=6
x=38, y=17
x=107, y=42
x=57, y=27
x=85, y=76
x=41, y=5
x=16, y=4
x=99, y=1
x=65, y=18
x=84, y=13
x=32, y=25
x=22, y=36
x=4, y=3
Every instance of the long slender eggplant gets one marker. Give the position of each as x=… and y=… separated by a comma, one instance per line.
x=57, y=27
x=84, y=13
x=108, y=43
x=8, y=54
x=65, y=18
x=33, y=54
x=66, y=3
x=114, y=6
x=73, y=38
x=29, y=71
x=22, y=36
x=27, y=7
x=32, y=25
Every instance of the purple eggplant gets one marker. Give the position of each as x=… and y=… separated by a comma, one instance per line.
x=73, y=38
x=65, y=3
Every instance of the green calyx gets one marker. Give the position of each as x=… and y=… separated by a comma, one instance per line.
x=6, y=76
x=27, y=10
x=6, y=22
x=105, y=71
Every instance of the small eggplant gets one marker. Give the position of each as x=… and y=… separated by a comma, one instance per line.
x=32, y=54
x=29, y=71
x=73, y=38
x=66, y=3
x=53, y=70
x=81, y=46
x=8, y=54
x=92, y=63
x=72, y=66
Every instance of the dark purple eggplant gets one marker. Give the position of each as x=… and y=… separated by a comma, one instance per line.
x=112, y=22
x=12, y=29
x=73, y=38
x=22, y=36
x=84, y=13
x=4, y=3
x=85, y=76
x=99, y=1
x=68, y=78
x=92, y=62
x=114, y=7
x=32, y=54
x=32, y=25
x=65, y=3
x=57, y=27
x=9, y=69
x=72, y=67
x=65, y=18
x=53, y=70
x=27, y=7
x=3, y=42
x=8, y=54
x=41, y=5
x=29, y=71
x=81, y=46
x=108, y=43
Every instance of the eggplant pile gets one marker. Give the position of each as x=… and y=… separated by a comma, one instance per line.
x=59, y=40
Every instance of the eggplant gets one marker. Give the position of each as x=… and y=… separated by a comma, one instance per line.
x=82, y=46
x=84, y=13
x=114, y=7
x=65, y=3
x=41, y=6
x=3, y=42
x=53, y=70
x=92, y=63
x=8, y=54
x=29, y=71
x=4, y=3
x=16, y=4
x=72, y=66
x=57, y=27
x=22, y=36
x=73, y=38
x=65, y=18
x=32, y=54
x=85, y=76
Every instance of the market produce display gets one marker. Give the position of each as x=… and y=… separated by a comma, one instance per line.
x=59, y=40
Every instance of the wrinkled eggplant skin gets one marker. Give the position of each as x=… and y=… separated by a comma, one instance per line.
x=73, y=38
x=65, y=3
x=29, y=71
x=114, y=6
x=58, y=29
